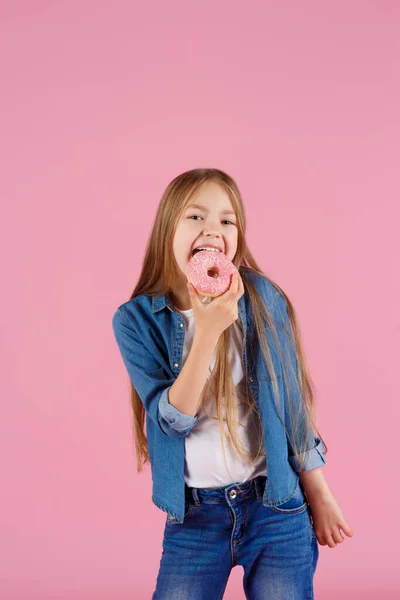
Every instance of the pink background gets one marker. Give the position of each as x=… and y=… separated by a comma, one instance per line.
x=102, y=104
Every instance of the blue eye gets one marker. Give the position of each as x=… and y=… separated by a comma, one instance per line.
x=225, y=221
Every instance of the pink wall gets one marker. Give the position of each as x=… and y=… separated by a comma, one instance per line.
x=102, y=103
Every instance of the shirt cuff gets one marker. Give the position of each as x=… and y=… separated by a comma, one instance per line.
x=175, y=419
x=313, y=458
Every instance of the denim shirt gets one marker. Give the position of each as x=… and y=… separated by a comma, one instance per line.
x=150, y=335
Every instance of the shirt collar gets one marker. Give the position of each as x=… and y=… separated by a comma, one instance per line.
x=159, y=302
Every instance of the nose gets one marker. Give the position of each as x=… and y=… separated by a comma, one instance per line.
x=213, y=226
x=212, y=231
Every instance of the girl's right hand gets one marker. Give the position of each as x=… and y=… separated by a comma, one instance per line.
x=214, y=317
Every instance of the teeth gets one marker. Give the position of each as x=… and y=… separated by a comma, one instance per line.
x=209, y=249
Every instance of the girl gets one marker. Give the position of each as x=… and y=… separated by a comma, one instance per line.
x=228, y=402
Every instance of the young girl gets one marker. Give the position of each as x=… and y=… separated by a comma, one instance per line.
x=228, y=402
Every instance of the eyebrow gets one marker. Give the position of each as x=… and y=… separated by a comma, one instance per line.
x=228, y=211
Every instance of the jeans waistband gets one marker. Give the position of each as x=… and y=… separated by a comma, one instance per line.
x=235, y=490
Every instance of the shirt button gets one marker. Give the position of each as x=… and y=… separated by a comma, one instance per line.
x=176, y=364
x=232, y=493
x=181, y=325
x=251, y=379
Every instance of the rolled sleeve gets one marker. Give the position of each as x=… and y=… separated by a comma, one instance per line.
x=313, y=458
x=179, y=421
x=150, y=380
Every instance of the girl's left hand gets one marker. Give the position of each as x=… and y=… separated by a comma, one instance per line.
x=328, y=519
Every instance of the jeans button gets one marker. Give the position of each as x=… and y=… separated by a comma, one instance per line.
x=232, y=493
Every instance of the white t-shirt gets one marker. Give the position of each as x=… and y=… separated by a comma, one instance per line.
x=204, y=460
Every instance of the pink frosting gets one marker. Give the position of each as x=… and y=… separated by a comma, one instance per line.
x=213, y=284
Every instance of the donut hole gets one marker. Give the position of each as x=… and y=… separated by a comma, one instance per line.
x=212, y=272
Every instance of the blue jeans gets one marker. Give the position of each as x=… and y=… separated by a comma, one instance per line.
x=228, y=526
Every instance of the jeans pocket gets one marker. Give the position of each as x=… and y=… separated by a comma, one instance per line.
x=296, y=504
x=188, y=509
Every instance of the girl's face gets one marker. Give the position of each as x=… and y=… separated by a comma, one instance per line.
x=209, y=219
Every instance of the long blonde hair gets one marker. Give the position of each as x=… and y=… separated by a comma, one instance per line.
x=158, y=274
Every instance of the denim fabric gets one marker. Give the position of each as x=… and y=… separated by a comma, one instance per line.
x=150, y=336
x=229, y=526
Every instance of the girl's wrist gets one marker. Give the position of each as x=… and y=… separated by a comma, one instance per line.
x=314, y=484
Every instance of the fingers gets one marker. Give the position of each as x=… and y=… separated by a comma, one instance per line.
x=234, y=284
x=347, y=530
x=231, y=292
x=337, y=536
x=239, y=289
x=241, y=285
x=235, y=291
x=192, y=293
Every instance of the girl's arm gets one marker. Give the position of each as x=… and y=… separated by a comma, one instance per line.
x=185, y=392
x=327, y=516
x=151, y=381
x=314, y=484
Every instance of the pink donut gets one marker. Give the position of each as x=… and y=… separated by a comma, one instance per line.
x=210, y=273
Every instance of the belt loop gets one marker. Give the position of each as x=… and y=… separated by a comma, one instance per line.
x=258, y=486
x=195, y=497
